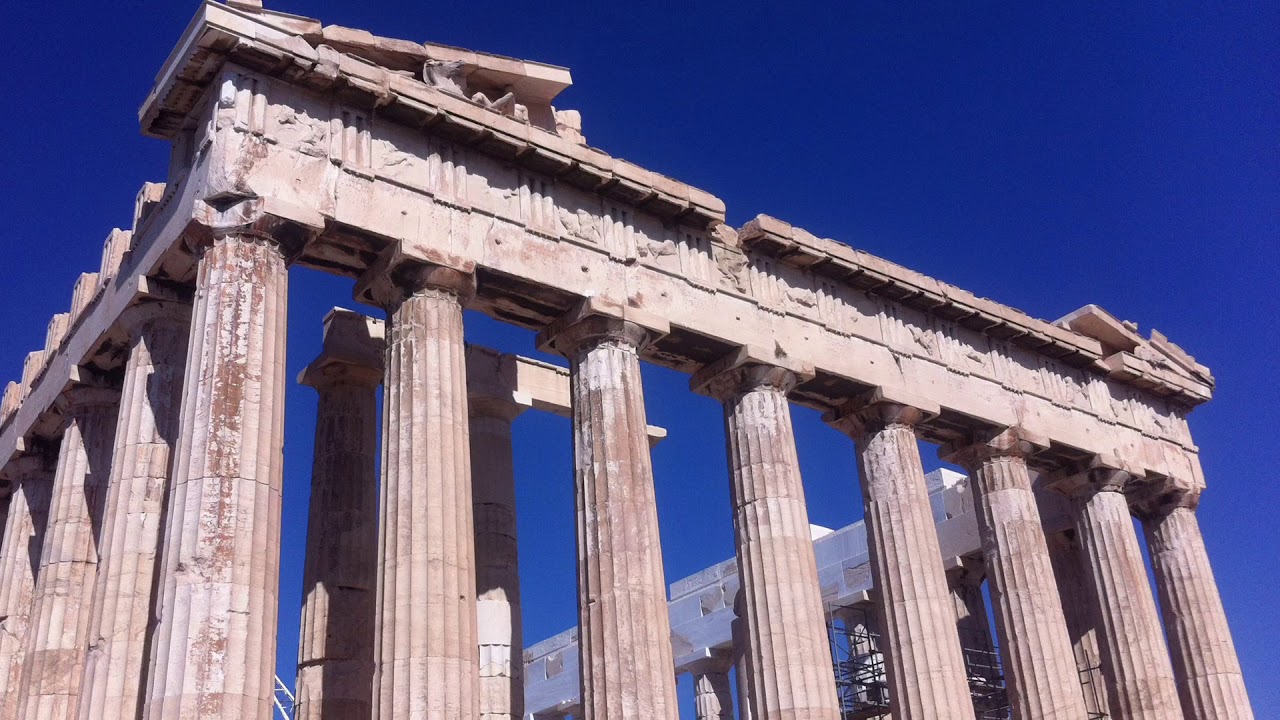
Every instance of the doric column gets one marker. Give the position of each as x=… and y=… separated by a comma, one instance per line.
x=427, y=661
x=147, y=426
x=59, y=632
x=213, y=653
x=1039, y=666
x=1205, y=665
x=964, y=578
x=497, y=564
x=712, y=693
x=926, y=671
x=1135, y=660
x=20, y=548
x=1080, y=610
x=624, y=630
x=786, y=628
x=335, y=641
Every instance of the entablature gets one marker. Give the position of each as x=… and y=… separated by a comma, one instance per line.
x=541, y=245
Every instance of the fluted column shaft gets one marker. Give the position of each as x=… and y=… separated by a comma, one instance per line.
x=926, y=671
x=712, y=695
x=1135, y=660
x=624, y=630
x=1039, y=665
x=147, y=427
x=214, y=648
x=792, y=675
x=20, y=550
x=1205, y=664
x=335, y=642
x=497, y=563
x=54, y=668
x=427, y=661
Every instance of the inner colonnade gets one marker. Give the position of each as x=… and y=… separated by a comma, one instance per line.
x=142, y=447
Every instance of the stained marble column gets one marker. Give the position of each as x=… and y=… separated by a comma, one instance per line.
x=426, y=655
x=1205, y=664
x=1035, y=649
x=497, y=558
x=712, y=693
x=53, y=672
x=624, y=630
x=1135, y=659
x=926, y=672
x=20, y=549
x=213, y=651
x=335, y=641
x=786, y=626
x=147, y=427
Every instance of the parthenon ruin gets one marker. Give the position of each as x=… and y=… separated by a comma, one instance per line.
x=141, y=470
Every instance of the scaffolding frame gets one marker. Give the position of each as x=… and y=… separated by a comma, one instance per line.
x=862, y=685
x=283, y=699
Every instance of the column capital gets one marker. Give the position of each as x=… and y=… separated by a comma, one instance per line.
x=352, y=354
x=137, y=317
x=881, y=407
x=1163, y=497
x=263, y=219
x=399, y=273
x=79, y=397
x=28, y=465
x=325, y=373
x=1098, y=473
x=965, y=570
x=596, y=321
x=746, y=369
x=982, y=445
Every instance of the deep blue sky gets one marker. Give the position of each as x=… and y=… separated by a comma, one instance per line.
x=1114, y=153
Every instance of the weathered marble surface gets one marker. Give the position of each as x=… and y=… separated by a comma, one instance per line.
x=1205, y=664
x=58, y=636
x=712, y=693
x=625, y=632
x=497, y=559
x=1035, y=649
x=1135, y=659
x=214, y=647
x=20, y=551
x=426, y=652
x=336, y=638
x=146, y=430
x=786, y=632
x=927, y=679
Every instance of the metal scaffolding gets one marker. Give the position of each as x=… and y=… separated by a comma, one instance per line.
x=863, y=687
x=1095, y=692
x=284, y=700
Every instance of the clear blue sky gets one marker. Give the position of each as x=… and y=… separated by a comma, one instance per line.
x=1122, y=154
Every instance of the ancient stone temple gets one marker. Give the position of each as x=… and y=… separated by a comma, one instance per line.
x=141, y=450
